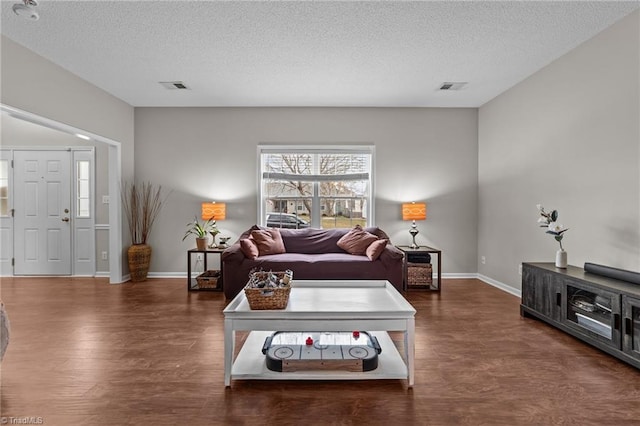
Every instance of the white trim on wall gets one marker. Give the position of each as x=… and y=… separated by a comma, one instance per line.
x=502, y=286
x=458, y=275
x=462, y=275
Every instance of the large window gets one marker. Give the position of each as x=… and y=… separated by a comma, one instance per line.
x=321, y=187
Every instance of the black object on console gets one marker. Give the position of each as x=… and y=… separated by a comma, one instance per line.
x=615, y=273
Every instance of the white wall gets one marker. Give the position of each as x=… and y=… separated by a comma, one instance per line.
x=208, y=154
x=567, y=137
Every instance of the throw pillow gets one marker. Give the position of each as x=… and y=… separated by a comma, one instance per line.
x=375, y=249
x=249, y=248
x=356, y=241
x=269, y=241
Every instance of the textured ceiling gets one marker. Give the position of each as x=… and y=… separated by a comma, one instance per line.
x=308, y=53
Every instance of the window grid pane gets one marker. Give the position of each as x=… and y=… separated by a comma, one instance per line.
x=4, y=188
x=83, y=201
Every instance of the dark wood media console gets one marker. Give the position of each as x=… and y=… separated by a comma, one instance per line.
x=601, y=311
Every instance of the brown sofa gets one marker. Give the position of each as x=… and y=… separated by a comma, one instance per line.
x=312, y=254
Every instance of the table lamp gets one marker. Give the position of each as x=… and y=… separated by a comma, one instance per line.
x=414, y=211
x=214, y=211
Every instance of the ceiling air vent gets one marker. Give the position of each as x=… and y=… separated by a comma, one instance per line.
x=453, y=85
x=174, y=85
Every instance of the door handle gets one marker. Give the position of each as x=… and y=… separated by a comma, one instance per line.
x=65, y=219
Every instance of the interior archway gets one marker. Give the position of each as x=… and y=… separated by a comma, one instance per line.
x=114, y=161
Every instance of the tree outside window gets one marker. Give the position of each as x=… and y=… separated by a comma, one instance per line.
x=330, y=189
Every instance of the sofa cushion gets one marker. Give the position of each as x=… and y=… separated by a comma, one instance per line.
x=319, y=266
x=375, y=249
x=269, y=241
x=249, y=248
x=356, y=241
x=312, y=240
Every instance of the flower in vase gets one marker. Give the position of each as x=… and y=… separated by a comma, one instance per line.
x=549, y=221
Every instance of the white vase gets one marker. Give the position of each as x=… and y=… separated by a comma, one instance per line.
x=561, y=259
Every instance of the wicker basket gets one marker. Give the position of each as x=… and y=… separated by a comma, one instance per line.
x=268, y=298
x=419, y=274
x=208, y=279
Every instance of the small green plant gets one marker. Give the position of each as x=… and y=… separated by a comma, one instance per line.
x=199, y=229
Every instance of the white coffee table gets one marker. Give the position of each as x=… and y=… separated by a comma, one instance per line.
x=323, y=305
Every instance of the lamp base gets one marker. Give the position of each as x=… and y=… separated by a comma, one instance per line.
x=414, y=231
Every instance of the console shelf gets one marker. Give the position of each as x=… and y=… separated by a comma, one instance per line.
x=601, y=311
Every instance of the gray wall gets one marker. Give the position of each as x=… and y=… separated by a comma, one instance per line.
x=211, y=154
x=34, y=84
x=567, y=137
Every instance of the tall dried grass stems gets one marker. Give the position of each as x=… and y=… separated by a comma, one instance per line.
x=142, y=203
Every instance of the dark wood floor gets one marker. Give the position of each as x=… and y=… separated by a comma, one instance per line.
x=84, y=352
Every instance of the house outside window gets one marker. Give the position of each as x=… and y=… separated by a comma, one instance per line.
x=321, y=187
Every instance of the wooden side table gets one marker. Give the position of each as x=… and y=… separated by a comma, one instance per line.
x=206, y=252
x=412, y=255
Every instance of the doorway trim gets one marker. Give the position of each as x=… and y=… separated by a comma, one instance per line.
x=115, y=173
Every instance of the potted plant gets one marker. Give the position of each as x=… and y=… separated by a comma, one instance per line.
x=142, y=204
x=200, y=230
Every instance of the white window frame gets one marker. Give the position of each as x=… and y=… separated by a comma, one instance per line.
x=316, y=216
x=84, y=235
x=6, y=221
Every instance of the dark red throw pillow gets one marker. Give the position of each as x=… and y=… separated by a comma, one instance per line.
x=249, y=248
x=375, y=249
x=269, y=241
x=356, y=241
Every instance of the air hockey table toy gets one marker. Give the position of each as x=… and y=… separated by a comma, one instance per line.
x=287, y=351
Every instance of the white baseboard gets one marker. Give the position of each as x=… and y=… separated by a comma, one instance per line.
x=182, y=275
x=449, y=275
x=458, y=275
x=102, y=274
x=195, y=274
x=501, y=286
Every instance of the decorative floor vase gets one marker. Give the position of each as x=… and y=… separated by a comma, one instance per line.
x=139, y=256
x=561, y=259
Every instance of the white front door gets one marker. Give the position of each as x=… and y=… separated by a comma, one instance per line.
x=42, y=202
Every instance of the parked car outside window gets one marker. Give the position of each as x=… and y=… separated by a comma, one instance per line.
x=285, y=220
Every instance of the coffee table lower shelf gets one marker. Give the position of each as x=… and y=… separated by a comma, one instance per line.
x=250, y=363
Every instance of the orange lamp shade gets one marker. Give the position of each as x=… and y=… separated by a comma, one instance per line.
x=414, y=211
x=215, y=211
